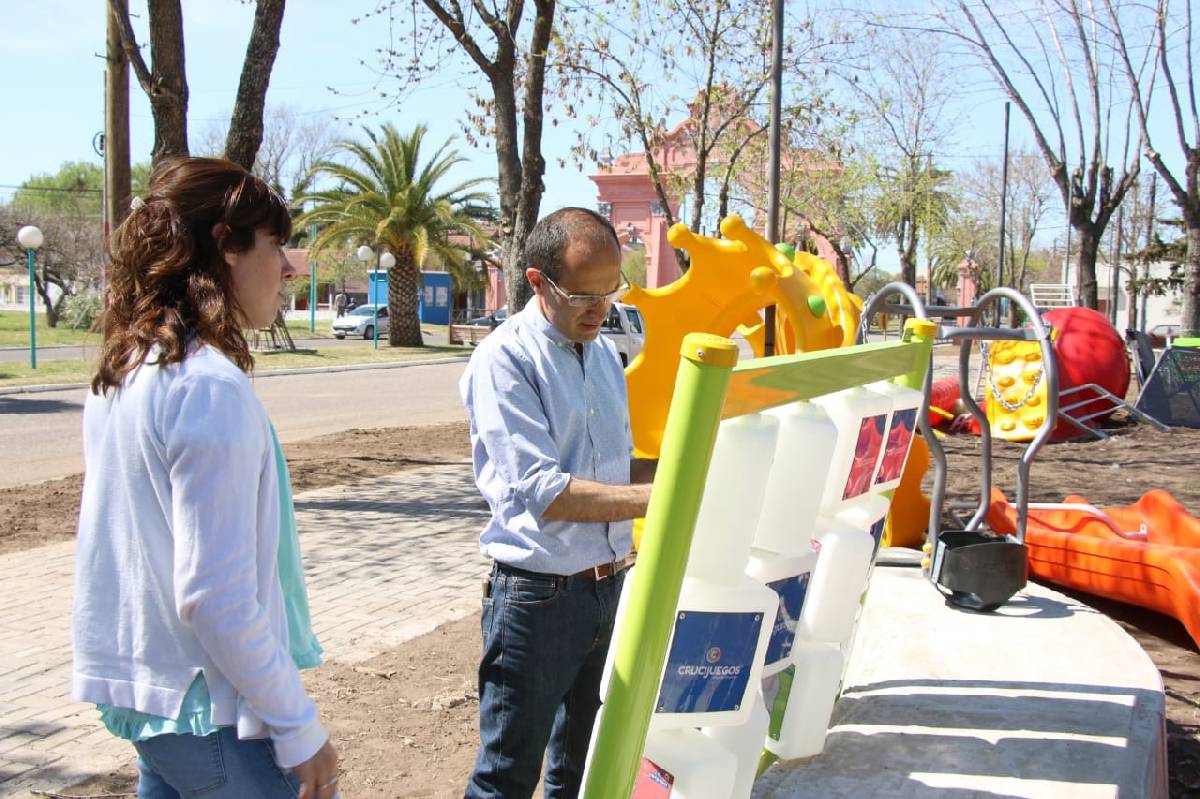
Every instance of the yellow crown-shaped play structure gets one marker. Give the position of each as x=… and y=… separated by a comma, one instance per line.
x=730, y=281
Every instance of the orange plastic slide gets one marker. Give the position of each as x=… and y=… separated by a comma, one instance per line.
x=1145, y=554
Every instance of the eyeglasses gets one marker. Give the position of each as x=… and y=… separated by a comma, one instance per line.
x=589, y=300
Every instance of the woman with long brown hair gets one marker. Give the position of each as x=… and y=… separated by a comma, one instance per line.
x=191, y=618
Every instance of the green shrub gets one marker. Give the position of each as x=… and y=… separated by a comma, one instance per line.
x=82, y=311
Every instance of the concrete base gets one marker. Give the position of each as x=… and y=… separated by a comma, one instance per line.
x=1044, y=698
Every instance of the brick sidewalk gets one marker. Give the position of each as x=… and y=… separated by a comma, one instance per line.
x=386, y=559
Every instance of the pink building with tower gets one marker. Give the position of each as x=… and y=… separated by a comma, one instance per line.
x=626, y=195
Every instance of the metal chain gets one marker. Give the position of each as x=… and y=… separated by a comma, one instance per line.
x=1008, y=406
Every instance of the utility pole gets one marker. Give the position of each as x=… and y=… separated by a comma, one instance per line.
x=116, y=128
x=1131, y=283
x=1115, y=267
x=1149, y=243
x=1067, y=257
x=1003, y=216
x=774, y=146
x=929, y=292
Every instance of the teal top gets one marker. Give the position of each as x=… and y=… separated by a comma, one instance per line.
x=195, y=714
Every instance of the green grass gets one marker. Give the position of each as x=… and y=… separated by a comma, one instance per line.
x=351, y=354
x=14, y=331
x=70, y=370
x=80, y=370
x=299, y=329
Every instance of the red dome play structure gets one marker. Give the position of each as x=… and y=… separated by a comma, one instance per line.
x=1088, y=349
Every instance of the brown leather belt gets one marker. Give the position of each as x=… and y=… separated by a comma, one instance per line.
x=605, y=570
x=597, y=573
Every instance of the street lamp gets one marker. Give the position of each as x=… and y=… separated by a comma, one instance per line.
x=31, y=238
x=312, y=280
x=385, y=260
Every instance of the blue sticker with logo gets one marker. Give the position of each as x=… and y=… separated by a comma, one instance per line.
x=708, y=666
x=792, y=591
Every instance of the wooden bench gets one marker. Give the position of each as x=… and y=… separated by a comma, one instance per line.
x=468, y=334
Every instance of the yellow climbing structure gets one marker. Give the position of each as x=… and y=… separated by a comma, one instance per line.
x=1016, y=389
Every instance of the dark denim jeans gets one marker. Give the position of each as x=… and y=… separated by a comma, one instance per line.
x=216, y=766
x=545, y=639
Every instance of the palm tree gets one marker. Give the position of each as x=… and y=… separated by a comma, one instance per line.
x=387, y=196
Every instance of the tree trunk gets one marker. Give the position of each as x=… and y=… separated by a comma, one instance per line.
x=520, y=184
x=514, y=226
x=168, y=92
x=404, y=320
x=1089, y=246
x=908, y=253
x=1131, y=291
x=246, y=124
x=1189, y=322
x=533, y=164
x=116, y=129
x=41, y=285
x=698, y=192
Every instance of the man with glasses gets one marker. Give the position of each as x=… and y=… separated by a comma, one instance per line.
x=551, y=444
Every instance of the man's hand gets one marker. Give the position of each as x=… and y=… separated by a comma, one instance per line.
x=318, y=775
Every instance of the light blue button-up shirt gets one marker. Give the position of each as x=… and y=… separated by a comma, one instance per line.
x=541, y=413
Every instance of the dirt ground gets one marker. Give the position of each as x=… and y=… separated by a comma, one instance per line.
x=30, y=518
x=1108, y=473
x=405, y=721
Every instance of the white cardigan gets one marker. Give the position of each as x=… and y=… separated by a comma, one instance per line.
x=177, y=556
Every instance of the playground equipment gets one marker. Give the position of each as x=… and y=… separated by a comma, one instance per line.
x=944, y=397
x=1146, y=554
x=861, y=419
x=906, y=402
x=1171, y=392
x=977, y=570
x=1093, y=377
x=657, y=641
x=730, y=280
x=908, y=518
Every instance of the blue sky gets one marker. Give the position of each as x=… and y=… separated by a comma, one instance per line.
x=60, y=108
x=52, y=47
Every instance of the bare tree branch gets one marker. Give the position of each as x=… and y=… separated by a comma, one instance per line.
x=120, y=11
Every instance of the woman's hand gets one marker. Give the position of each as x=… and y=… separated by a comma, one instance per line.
x=319, y=774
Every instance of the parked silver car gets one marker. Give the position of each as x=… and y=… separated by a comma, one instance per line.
x=624, y=328
x=361, y=322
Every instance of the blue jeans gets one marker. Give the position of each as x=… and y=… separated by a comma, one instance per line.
x=216, y=766
x=545, y=639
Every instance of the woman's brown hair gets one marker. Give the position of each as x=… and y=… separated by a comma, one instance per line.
x=169, y=285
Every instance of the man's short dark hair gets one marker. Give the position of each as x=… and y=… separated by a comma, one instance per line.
x=547, y=242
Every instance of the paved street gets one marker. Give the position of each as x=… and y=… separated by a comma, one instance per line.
x=42, y=432
x=386, y=561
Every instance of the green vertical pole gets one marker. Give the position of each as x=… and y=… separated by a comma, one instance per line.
x=921, y=332
x=312, y=281
x=641, y=647
x=32, y=318
x=375, y=295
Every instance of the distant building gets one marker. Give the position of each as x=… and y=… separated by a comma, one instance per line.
x=1157, y=310
x=625, y=193
x=14, y=290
